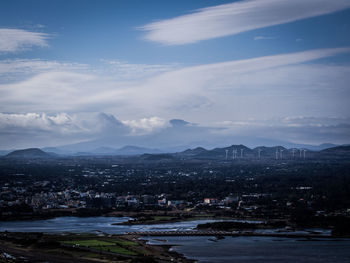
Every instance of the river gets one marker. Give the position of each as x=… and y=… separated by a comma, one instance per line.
x=258, y=249
x=204, y=249
x=93, y=224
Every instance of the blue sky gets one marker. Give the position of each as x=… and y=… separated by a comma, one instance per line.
x=85, y=32
x=269, y=69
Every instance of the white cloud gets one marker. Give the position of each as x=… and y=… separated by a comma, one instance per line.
x=83, y=123
x=247, y=88
x=202, y=93
x=19, y=69
x=13, y=40
x=57, y=123
x=128, y=71
x=263, y=38
x=237, y=17
x=40, y=130
x=146, y=125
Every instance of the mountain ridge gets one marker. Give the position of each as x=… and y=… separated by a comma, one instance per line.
x=28, y=153
x=234, y=151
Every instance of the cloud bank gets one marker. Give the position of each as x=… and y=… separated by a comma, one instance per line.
x=265, y=88
x=86, y=132
x=234, y=18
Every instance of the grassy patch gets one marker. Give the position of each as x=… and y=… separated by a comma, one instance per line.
x=88, y=243
x=114, y=246
x=92, y=255
x=125, y=243
x=161, y=218
x=117, y=249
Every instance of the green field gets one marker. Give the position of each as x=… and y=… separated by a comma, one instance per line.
x=161, y=218
x=88, y=243
x=126, y=243
x=114, y=246
x=117, y=249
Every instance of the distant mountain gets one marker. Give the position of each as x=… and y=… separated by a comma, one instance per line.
x=56, y=150
x=323, y=146
x=271, y=151
x=242, y=151
x=315, y=147
x=217, y=153
x=275, y=152
x=104, y=150
x=126, y=150
x=4, y=152
x=28, y=153
x=134, y=150
x=342, y=152
x=338, y=149
x=195, y=151
x=237, y=151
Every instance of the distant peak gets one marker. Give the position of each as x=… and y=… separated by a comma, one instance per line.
x=109, y=118
x=27, y=153
x=178, y=122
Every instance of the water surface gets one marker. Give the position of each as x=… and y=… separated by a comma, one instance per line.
x=258, y=249
x=93, y=224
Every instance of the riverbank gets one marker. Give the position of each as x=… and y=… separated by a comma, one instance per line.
x=102, y=238
x=80, y=248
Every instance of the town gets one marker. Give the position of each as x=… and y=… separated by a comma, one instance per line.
x=305, y=193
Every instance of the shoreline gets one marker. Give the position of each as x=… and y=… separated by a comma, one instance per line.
x=195, y=259
x=32, y=247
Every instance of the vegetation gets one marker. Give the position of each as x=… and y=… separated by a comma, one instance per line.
x=33, y=247
x=115, y=246
x=88, y=243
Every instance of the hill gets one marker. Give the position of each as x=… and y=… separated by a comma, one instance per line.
x=28, y=153
x=338, y=149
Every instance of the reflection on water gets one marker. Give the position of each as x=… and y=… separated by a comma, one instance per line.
x=258, y=249
x=92, y=224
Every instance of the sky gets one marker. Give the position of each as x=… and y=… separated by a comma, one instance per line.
x=118, y=72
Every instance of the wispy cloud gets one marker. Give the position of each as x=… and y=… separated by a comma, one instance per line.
x=19, y=69
x=199, y=93
x=234, y=18
x=14, y=40
x=264, y=38
x=131, y=71
x=300, y=130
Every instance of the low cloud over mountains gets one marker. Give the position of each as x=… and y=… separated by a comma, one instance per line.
x=88, y=131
